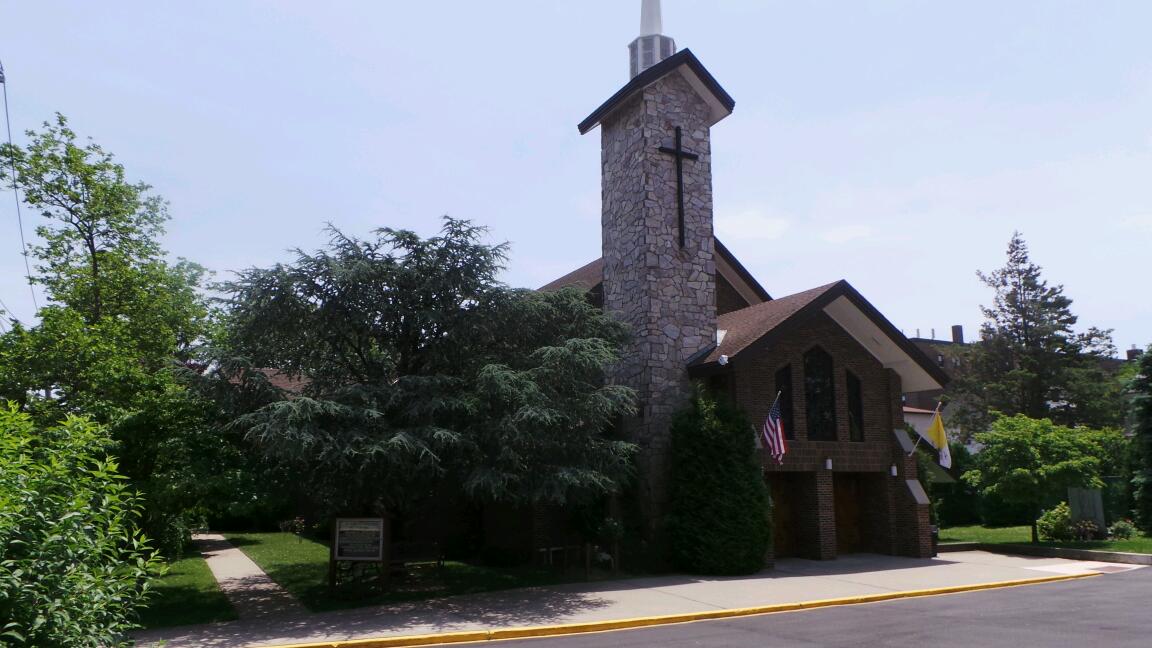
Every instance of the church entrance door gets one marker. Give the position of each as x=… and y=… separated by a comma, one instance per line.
x=848, y=489
x=786, y=490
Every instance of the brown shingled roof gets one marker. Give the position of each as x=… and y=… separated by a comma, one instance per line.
x=748, y=325
x=590, y=275
x=586, y=277
x=760, y=323
x=276, y=378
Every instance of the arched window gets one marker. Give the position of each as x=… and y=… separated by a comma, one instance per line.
x=855, y=408
x=820, y=395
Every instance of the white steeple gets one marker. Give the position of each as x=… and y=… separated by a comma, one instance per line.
x=652, y=46
x=650, y=21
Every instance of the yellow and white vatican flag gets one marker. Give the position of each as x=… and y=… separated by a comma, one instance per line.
x=938, y=438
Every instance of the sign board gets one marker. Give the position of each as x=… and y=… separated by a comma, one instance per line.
x=1087, y=504
x=359, y=539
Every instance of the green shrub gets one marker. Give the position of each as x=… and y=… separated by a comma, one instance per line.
x=74, y=570
x=1122, y=530
x=1055, y=525
x=1086, y=530
x=718, y=514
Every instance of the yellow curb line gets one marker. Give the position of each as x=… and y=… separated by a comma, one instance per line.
x=642, y=622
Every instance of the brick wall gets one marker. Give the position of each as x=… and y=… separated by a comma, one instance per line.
x=891, y=522
x=755, y=390
x=727, y=299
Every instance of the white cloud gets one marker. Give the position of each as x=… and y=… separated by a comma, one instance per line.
x=752, y=225
x=846, y=233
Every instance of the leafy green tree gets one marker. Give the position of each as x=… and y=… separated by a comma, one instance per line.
x=74, y=568
x=1030, y=361
x=1033, y=462
x=119, y=313
x=415, y=367
x=718, y=509
x=1141, y=420
x=121, y=319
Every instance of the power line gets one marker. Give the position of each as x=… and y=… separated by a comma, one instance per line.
x=7, y=312
x=16, y=195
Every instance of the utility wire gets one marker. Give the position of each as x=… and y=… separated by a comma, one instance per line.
x=7, y=314
x=16, y=195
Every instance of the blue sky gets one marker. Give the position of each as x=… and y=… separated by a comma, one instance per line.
x=896, y=144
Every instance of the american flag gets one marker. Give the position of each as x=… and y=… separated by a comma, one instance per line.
x=774, y=433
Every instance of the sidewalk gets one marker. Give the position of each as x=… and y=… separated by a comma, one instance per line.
x=247, y=587
x=791, y=581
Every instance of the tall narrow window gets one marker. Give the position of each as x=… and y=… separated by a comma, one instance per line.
x=784, y=386
x=819, y=395
x=855, y=409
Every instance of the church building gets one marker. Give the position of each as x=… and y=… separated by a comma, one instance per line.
x=847, y=483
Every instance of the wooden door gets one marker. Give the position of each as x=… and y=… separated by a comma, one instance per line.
x=783, y=515
x=847, y=495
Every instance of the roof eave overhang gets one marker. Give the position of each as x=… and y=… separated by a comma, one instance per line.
x=868, y=327
x=719, y=101
x=725, y=255
x=885, y=342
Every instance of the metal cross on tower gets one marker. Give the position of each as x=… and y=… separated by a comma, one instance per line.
x=680, y=154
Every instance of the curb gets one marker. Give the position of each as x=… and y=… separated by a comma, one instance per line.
x=644, y=622
x=1069, y=553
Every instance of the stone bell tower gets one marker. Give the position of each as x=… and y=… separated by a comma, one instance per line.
x=658, y=244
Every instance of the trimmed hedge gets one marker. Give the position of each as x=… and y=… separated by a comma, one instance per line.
x=718, y=521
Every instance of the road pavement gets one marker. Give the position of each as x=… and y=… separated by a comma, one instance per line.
x=1105, y=612
x=792, y=581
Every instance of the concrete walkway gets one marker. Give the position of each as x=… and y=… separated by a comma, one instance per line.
x=791, y=581
x=248, y=588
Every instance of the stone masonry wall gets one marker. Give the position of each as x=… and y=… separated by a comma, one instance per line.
x=667, y=294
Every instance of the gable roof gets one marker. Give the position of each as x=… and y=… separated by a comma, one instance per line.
x=591, y=275
x=721, y=103
x=587, y=277
x=760, y=324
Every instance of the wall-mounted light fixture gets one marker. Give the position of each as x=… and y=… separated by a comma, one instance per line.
x=892, y=471
x=828, y=463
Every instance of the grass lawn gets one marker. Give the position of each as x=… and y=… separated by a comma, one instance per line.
x=186, y=595
x=977, y=533
x=1139, y=544
x=1023, y=535
x=301, y=567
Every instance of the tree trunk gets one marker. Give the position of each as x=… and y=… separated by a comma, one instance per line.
x=97, y=307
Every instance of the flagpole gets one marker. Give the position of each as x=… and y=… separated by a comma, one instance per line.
x=920, y=437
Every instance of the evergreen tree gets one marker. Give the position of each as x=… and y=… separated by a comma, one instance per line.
x=1029, y=360
x=418, y=369
x=718, y=520
x=1141, y=419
